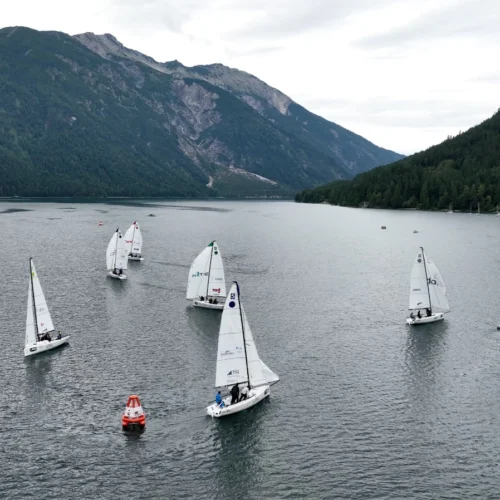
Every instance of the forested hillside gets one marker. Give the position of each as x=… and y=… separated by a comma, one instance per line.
x=463, y=170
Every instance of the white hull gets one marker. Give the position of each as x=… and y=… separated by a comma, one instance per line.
x=135, y=258
x=255, y=396
x=44, y=345
x=206, y=305
x=116, y=276
x=425, y=319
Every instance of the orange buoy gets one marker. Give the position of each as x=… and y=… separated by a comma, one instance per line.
x=100, y=223
x=133, y=417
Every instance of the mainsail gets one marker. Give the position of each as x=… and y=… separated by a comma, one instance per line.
x=116, y=254
x=206, y=275
x=38, y=318
x=133, y=239
x=419, y=292
x=231, y=360
x=237, y=359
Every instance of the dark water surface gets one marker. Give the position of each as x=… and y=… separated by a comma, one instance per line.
x=366, y=407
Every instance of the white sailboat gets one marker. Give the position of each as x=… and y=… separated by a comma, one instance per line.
x=116, y=256
x=428, y=302
x=450, y=209
x=133, y=242
x=478, y=209
x=238, y=361
x=206, y=282
x=39, y=324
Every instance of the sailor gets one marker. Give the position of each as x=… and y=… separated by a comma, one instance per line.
x=216, y=301
x=412, y=316
x=244, y=393
x=202, y=298
x=59, y=336
x=429, y=313
x=210, y=300
x=235, y=392
x=120, y=272
x=419, y=314
x=218, y=400
x=115, y=271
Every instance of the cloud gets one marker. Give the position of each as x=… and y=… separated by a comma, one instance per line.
x=460, y=18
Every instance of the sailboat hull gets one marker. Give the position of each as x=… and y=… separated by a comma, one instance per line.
x=207, y=305
x=256, y=396
x=117, y=277
x=425, y=319
x=44, y=346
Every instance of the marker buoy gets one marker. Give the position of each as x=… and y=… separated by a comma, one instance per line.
x=100, y=223
x=133, y=417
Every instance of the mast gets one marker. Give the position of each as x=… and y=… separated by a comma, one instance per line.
x=33, y=300
x=243, y=329
x=426, y=278
x=209, y=269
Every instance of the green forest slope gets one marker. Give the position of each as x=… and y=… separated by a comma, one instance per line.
x=464, y=171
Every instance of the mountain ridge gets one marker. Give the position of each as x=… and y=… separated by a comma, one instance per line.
x=86, y=116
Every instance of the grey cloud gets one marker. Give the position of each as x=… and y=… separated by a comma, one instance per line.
x=280, y=17
x=479, y=18
x=406, y=113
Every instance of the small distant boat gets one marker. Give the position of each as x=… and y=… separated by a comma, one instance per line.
x=133, y=241
x=39, y=324
x=100, y=223
x=415, y=231
x=498, y=211
x=470, y=209
x=238, y=361
x=427, y=292
x=133, y=417
x=151, y=215
x=206, y=282
x=450, y=209
x=478, y=209
x=383, y=227
x=116, y=256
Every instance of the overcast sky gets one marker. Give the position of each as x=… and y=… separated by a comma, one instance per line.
x=405, y=74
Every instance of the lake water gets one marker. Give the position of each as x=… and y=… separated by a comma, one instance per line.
x=367, y=407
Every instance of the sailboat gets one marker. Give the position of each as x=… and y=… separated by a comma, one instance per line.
x=39, y=324
x=238, y=361
x=470, y=209
x=450, y=210
x=133, y=241
x=498, y=211
x=427, y=292
x=116, y=256
x=206, y=283
x=478, y=209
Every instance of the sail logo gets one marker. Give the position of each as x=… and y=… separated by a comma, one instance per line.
x=227, y=353
x=197, y=274
x=233, y=372
x=217, y=290
x=431, y=281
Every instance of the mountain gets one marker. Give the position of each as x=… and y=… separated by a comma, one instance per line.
x=463, y=170
x=85, y=116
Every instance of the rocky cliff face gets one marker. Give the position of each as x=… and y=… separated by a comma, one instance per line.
x=85, y=115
